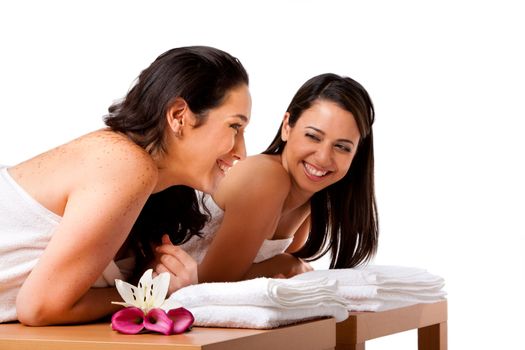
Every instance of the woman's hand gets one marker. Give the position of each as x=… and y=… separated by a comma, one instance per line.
x=291, y=265
x=179, y=264
x=283, y=265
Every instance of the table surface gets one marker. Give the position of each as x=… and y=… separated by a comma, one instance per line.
x=317, y=334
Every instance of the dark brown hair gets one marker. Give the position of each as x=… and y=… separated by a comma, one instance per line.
x=343, y=215
x=202, y=76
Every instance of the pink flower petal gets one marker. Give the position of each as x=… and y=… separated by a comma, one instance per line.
x=156, y=320
x=182, y=319
x=129, y=320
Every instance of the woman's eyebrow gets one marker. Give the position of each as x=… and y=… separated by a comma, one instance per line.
x=241, y=117
x=323, y=133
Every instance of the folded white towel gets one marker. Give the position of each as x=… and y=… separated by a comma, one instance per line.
x=260, y=317
x=261, y=302
x=377, y=275
x=379, y=288
x=282, y=293
x=268, y=303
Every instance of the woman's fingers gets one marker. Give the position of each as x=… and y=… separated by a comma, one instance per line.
x=184, y=270
x=178, y=253
x=181, y=266
x=166, y=239
x=180, y=278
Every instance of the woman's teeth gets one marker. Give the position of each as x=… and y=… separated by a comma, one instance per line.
x=224, y=167
x=313, y=171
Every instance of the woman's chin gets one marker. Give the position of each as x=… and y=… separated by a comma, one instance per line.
x=209, y=186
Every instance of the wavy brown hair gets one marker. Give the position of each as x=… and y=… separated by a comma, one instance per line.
x=343, y=215
x=200, y=75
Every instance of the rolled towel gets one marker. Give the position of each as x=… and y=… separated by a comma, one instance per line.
x=282, y=293
x=258, y=317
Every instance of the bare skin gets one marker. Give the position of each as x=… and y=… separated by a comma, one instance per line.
x=268, y=196
x=101, y=167
x=98, y=184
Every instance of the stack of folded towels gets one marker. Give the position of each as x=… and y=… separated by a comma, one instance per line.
x=261, y=302
x=380, y=288
x=268, y=303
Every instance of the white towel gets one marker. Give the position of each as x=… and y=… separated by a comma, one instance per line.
x=25, y=230
x=379, y=287
x=261, y=302
x=258, y=317
x=284, y=293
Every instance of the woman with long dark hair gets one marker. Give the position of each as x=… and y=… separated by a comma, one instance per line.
x=66, y=214
x=311, y=192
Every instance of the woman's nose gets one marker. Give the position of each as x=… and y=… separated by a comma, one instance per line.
x=239, y=147
x=324, y=155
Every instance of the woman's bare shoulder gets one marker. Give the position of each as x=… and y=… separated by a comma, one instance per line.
x=256, y=176
x=106, y=153
x=262, y=163
x=113, y=149
x=93, y=164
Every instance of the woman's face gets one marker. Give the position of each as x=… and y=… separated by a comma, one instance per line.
x=209, y=150
x=320, y=147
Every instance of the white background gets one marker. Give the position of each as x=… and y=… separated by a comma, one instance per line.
x=447, y=79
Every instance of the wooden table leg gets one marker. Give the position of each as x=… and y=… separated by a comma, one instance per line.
x=433, y=337
x=360, y=346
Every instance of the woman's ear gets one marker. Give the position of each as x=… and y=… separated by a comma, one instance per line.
x=285, y=129
x=175, y=115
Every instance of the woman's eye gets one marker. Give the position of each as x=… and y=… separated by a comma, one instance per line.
x=313, y=137
x=236, y=127
x=343, y=148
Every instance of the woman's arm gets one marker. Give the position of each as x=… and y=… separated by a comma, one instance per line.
x=106, y=195
x=252, y=196
x=283, y=265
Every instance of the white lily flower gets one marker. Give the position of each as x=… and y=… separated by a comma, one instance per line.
x=149, y=294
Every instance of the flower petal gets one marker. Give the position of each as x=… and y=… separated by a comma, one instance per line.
x=142, y=287
x=129, y=320
x=146, y=278
x=157, y=320
x=159, y=289
x=182, y=320
x=128, y=292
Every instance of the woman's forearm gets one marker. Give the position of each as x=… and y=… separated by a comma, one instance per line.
x=95, y=304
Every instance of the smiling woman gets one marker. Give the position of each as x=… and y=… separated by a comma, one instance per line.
x=66, y=215
x=310, y=192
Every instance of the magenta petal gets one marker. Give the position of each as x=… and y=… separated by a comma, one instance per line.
x=182, y=319
x=129, y=320
x=156, y=320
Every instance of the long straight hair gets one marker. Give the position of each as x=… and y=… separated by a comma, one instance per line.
x=202, y=76
x=343, y=215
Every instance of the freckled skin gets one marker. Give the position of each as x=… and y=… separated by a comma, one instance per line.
x=98, y=183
